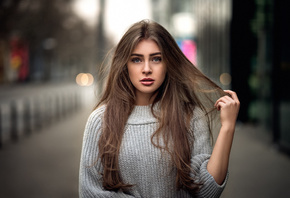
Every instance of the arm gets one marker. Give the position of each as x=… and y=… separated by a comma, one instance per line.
x=90, y=180
x=219, y=160
x=200, y=157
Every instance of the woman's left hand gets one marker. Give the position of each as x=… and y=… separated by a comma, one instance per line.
x=229, y=107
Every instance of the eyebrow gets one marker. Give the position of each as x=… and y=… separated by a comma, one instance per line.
x=153, y=54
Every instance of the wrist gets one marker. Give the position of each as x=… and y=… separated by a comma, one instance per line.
x=228, y=127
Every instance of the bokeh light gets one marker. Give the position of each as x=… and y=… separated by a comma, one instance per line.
x=84, y=79
x=225, y=78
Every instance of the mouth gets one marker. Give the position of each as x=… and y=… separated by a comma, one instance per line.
x=147, y=81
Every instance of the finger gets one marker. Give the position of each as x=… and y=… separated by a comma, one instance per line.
x=220, y=105
x=232, y=94
x=225, y=99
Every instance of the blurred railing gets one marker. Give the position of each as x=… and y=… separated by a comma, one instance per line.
x=26, y=109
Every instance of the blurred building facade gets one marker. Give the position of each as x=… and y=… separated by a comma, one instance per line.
x=260, y=64
x=243, y=45
x=43, y=41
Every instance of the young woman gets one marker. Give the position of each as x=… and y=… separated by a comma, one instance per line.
x=150, y=134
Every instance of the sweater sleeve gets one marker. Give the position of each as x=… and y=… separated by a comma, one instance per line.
x=200, y=156
x=90, y=180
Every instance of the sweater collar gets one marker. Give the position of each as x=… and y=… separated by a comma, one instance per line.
x=142, y=115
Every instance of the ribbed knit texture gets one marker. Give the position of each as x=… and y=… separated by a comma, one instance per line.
x=141, y=163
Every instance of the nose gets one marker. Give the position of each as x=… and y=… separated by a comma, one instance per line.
x=147, y=68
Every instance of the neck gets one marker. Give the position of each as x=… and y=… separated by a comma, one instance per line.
x=144, y=99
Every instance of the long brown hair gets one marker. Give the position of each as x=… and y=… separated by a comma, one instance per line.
x=183, y=89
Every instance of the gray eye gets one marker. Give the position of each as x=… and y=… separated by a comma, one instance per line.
x=156, y=59
x=136, y=60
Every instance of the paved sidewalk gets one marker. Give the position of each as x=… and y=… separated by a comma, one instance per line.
x=45, y=164
x=257, y=169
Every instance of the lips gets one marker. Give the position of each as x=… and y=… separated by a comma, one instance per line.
x=147, y=81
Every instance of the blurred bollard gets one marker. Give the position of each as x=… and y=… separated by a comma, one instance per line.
x=27, y=117
x=45, y=111
x=28, y=111
x=37, y=113
x=71, y=101
x=57, y=106
x=66, y=104
x=17, y=119
x=61, y=106
x=5, y=126
x=77, y=99
x=13, y=121
x=48, y=109
x=52, y=108
x=33, y=114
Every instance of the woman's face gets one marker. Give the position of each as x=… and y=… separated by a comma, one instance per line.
x=146, y=70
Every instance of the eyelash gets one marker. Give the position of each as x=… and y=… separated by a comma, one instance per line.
x=154, y=59
x=157, y=58
x=136, y=59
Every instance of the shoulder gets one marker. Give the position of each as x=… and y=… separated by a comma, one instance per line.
x=199, y=121
x=91, y=136
x=98, y=113
x=96, y=117
x=94, y=124
x=200, y=128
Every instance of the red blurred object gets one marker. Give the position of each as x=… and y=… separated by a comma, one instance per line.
x=19, y=59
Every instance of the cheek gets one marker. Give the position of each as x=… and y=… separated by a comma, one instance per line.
x=164, y=71
x=132, y=74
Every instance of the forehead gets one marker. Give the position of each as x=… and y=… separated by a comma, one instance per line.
x=146, y=46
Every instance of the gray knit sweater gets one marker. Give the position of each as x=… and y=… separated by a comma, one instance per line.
x=142, y=164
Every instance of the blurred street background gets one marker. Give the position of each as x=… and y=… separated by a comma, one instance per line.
x=51, y=58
